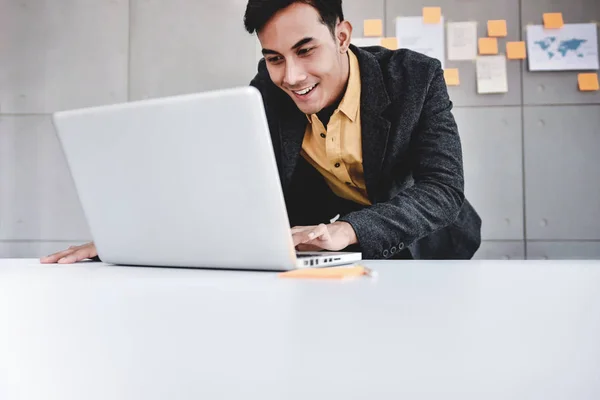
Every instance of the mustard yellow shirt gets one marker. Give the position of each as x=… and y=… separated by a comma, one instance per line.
x=336, y=151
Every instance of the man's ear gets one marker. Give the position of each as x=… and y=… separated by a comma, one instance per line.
x=343, y=35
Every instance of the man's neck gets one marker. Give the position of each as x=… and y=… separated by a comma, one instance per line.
x=344, y=81
x=325, y=114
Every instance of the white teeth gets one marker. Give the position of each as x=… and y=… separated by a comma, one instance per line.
x=302, y=92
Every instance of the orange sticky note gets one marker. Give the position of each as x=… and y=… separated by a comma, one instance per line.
x=451, y=76
x=488, y=46
x=432, y=15
x=497, y=28
x=553, y=20
x=588, y=82
x=373, y=27
x=390, y=43
x=516, y=50
x=327, y=272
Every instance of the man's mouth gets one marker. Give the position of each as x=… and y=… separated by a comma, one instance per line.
x=305, y=91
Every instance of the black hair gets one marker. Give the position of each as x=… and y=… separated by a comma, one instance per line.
x=259, y=12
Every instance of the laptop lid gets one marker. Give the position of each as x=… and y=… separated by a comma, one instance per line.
x=186, y=180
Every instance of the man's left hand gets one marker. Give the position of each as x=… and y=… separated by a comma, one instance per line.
x=334, y=237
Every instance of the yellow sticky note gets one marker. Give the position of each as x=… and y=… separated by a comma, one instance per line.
x=488, y=46
x=390, y=43
x=451, y=76
x=516, y=50
x=588, y=82
x=328, y=272
x=553, y=20
x=432, y=15
x=497, y=28
x=373, y=27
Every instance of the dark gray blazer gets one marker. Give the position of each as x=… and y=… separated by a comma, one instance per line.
x=412, y=159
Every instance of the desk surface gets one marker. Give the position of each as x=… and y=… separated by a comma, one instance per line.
x=420, y=330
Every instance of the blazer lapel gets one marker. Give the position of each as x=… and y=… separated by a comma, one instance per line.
x=374, y=127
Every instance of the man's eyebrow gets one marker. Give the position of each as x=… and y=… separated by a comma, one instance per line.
x=300, y=43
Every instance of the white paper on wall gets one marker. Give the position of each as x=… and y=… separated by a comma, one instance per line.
x=462, y=40
x=491, y=74
x=427, y=39
x=572, y=47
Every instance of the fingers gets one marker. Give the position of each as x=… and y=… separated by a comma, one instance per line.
x=71, y=255
x=53, y=258
x=80, y=254
x=320, y=232
x=297, y=229
x=310, y=234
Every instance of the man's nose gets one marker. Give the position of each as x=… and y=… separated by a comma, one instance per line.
x=293, y=74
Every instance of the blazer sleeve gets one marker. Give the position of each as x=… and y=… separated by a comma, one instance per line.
x=437, y=195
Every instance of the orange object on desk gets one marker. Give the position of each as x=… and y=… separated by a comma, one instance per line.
x=327, y=272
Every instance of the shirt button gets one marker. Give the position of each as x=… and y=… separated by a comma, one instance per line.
x=337, y=165
x=323, y=135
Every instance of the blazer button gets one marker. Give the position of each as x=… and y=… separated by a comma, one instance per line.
x=386, y=253
x=393, y=250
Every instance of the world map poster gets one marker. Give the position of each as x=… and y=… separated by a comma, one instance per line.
x=572, y=47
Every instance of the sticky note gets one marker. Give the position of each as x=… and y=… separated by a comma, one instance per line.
x=553, y=20
x=432, y=15
x=390, y=43
x=373, y=27
x=488, y=46
x=516, y=50
x=451, y=76
x=328, y=272
x=497, y=28
x=588, y=82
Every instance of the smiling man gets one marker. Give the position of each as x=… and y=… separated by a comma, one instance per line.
x=364, y=134
x=368, y=151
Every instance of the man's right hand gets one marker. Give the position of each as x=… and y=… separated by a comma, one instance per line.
x=72, y=255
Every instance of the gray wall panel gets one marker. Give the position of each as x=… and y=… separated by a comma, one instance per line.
x=356, y=11
x=492, y=152
x=563, y=250
x=490, y=250
x=62, y=55
x=184, y=46
x=75, y=53
x=37, y=197
x=562, y=171
x=467, y=10
x=558, y=87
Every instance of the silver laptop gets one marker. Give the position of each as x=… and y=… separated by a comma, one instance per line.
x=183, y=181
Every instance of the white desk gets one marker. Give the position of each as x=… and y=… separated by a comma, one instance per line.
x=446, y=330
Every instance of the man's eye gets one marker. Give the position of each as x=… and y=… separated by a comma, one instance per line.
x=274, y=59
x=303, y=52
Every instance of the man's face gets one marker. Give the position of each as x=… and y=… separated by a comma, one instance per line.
x=303, y=58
